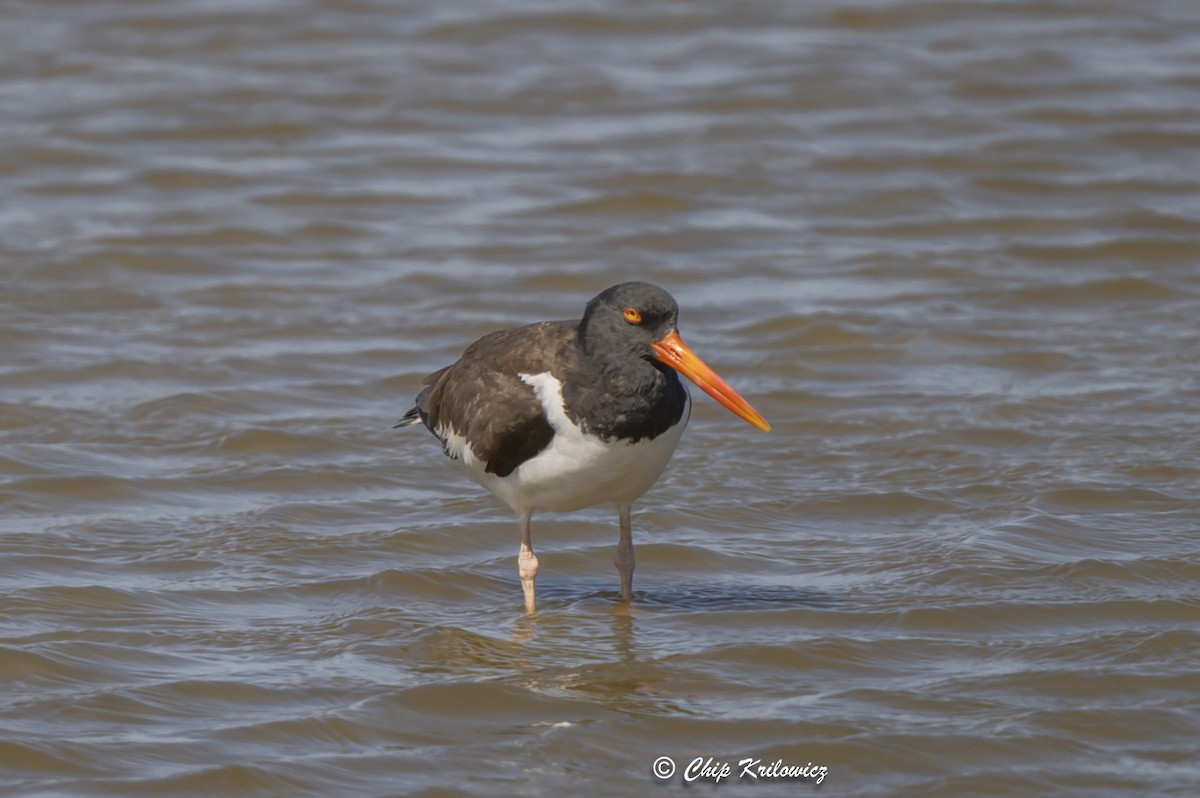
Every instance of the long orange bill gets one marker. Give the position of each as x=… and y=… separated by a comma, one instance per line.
x=676, y=354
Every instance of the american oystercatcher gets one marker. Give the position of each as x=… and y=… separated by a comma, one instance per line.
x=563, y=415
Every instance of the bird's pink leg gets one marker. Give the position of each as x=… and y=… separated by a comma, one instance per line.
x=527, y=563
x=624, y=558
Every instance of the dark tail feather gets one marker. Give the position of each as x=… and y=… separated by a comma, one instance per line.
x=413, y=416
x=420, y=413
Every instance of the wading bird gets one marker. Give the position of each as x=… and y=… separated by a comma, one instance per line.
x=563, y=415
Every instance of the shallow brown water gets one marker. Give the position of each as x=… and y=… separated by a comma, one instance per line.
x=950, y=250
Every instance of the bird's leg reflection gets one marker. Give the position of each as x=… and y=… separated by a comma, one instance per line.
x=523, y=630
x=622, y=633
x=528, y=625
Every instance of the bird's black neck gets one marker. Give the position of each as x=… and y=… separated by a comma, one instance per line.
x=621, y=397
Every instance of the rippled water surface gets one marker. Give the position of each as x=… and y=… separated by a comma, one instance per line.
x=950, y=249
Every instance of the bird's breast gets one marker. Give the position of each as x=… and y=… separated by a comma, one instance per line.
x=580, y=468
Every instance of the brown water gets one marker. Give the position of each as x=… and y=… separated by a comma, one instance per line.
x=951, y=250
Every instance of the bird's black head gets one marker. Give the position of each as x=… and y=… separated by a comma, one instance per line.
x=632, y=325
x=623, y=321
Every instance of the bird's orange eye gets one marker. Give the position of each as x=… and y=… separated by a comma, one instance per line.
x=632, y=316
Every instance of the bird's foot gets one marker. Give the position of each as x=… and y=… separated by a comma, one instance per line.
x=527, y=566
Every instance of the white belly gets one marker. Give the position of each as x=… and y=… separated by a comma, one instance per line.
x=577, y=470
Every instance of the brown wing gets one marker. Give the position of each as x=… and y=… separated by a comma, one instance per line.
x=483, y=399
